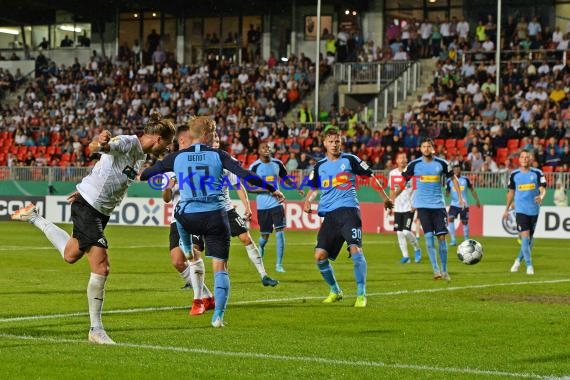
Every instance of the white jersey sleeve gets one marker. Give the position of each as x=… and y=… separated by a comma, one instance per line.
x=105, y=187
x=404, y=201
x=233, y=180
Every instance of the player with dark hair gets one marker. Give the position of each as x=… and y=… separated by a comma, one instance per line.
x=428, y=172
x=271, y=214
x=92, y=204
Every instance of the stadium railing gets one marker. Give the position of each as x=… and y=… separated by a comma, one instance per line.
x=517, y=56
x=369, y=72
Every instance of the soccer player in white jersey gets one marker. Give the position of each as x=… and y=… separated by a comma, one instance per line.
x=403, y=210
x=92, y=204
x=189, y=264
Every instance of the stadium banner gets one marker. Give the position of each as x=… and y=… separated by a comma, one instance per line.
x=9, y=205
x=297, y=220
x=133, y=211
x=553, y=222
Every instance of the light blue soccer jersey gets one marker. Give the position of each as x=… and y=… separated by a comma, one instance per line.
x=336, y=180
x=270, y=172
x=199, y=171
x=526, y=185
x=464, y=184
x=428, y=179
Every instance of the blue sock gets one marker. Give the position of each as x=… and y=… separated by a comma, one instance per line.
x=466, y=231
x=451, y=228
x=525, y=248
x=185, y=240
x=328, y=274
x=280, y=236
x=359, y=273
x=443, y=254
x=431, y=250
x=221, y=291
x=262, y=243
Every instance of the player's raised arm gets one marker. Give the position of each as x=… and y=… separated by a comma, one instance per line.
x=101, y=143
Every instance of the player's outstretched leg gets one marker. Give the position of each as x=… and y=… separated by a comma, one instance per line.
x=56, y=235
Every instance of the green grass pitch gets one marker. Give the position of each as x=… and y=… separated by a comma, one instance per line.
x=485, y=323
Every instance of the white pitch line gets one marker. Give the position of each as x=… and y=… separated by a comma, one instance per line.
x=288, y=299
x=305, y=359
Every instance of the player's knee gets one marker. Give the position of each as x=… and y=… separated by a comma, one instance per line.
x=321, y=255
x=245, y=239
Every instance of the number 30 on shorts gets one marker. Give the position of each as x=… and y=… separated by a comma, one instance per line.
x=356, y=233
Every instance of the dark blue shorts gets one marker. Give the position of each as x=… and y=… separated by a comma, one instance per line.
x=198, y=241
x=462, y=212
x=433, y=220
x=213, y=226
x=526, y=223
x=271, y=218
x=341, y=225
x=403, y=220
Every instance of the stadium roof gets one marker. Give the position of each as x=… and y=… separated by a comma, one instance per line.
x=26, y=12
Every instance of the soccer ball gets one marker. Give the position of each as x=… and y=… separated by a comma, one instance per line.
x=470, y=252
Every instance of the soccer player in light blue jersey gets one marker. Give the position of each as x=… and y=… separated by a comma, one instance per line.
x=270, y=213
x=454, y=207
x=201, y=209
x=335, y=175
x=428, y=173
x=527, y=188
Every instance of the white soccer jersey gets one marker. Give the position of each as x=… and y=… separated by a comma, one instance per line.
x=105, y=187
x=175, y=194
x=404, y=201
x=233, y=180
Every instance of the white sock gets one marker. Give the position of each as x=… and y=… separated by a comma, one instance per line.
x=403, y=243
x=412, y=239
x=56, y=235
x=197, y=278
x=256, y=259
x=95, y=294
x=206, y=292
x=186, y=274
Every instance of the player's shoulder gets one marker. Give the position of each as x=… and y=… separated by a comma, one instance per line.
x=255, y=164
x=394, y=172
x=412, y=164
x=440, y=161
x=276, y=161
x=536, y=171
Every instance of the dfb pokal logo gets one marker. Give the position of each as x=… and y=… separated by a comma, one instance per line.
x=150, y=212
x=510, y=224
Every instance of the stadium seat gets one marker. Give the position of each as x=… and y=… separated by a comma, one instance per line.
x=41, y=149
x=452, y=150
x=241, y=158
x=307, y=142
x=513, y=144
x=66, y=157
x=463, y=151
x=460, y=143
x=50, y=150
x=3, y=135
x=33, y=149
x=450, y=143
x=22, y=150
x=548, y=169
x=439, y=142
x=284, y=158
